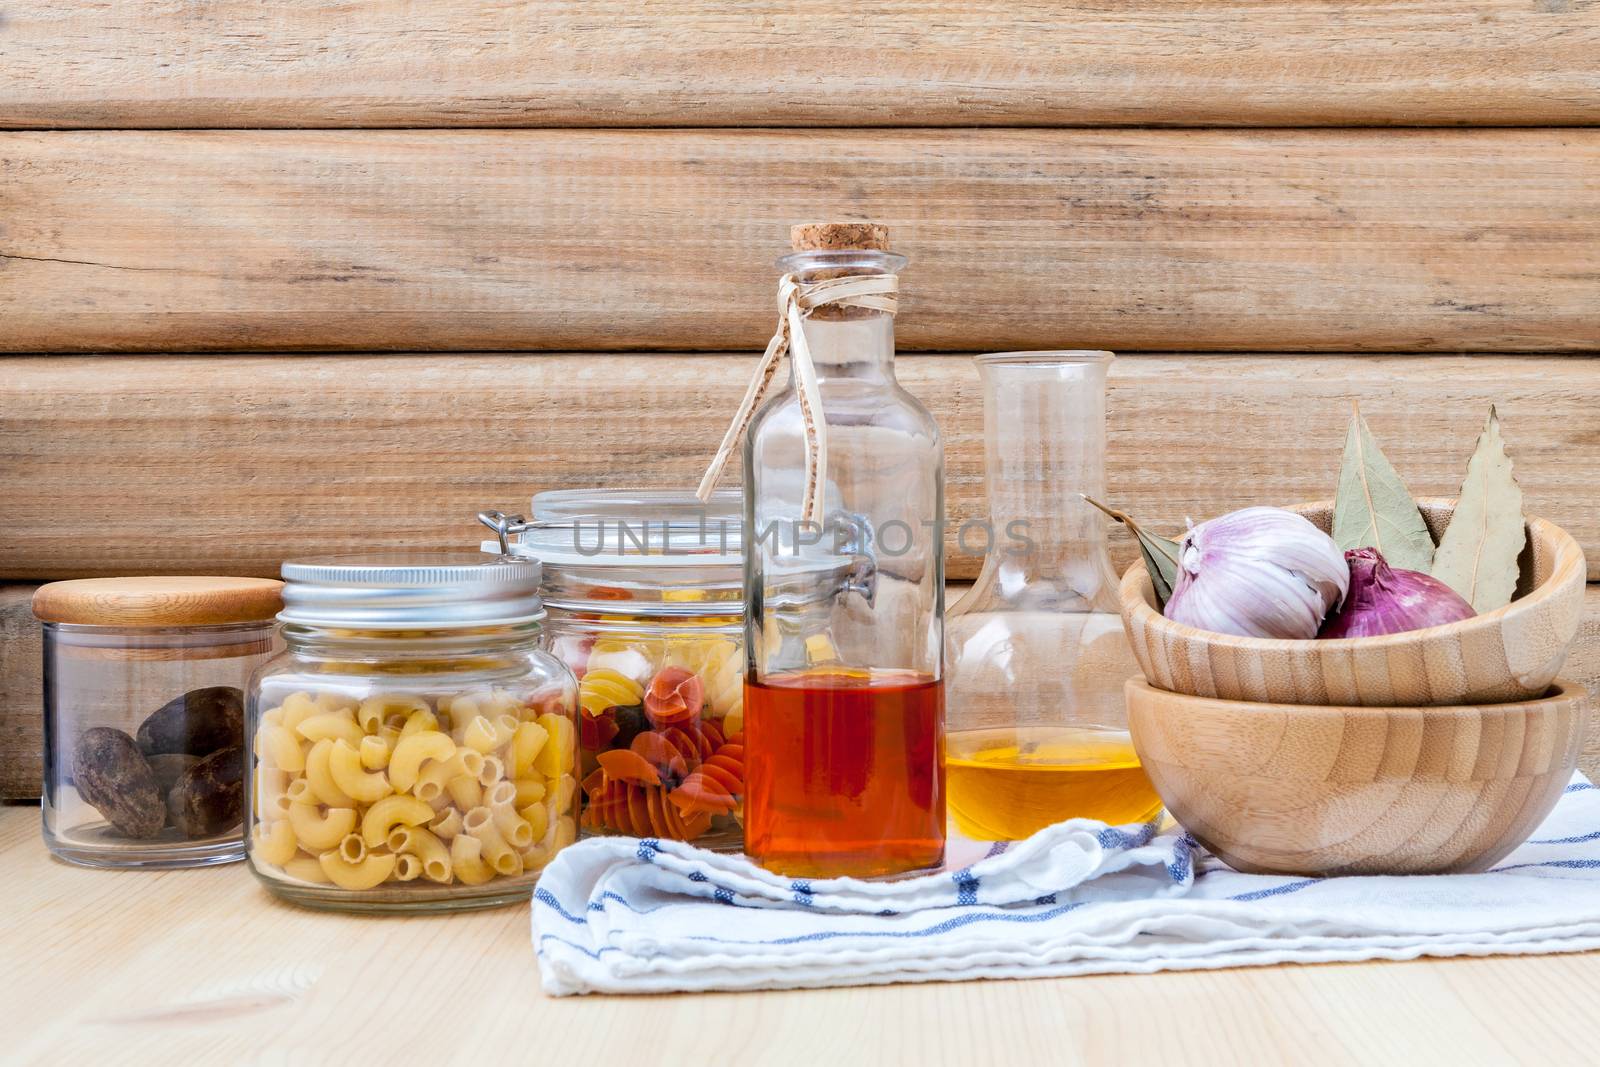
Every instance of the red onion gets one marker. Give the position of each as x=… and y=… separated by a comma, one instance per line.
x=1387, y=600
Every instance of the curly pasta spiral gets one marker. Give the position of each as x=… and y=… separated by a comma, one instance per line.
x=715, y=785
x=725, y=682
x=669, y=783
x=604, y=688
x=643, y=811
x=697, y=654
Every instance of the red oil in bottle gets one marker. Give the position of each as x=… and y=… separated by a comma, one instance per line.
x=845, y=772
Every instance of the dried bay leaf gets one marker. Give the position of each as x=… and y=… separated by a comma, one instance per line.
x=1478, y=553
x=1373, y=508
x=1160, y=554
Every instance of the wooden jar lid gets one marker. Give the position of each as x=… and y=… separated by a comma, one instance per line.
x=159, y=601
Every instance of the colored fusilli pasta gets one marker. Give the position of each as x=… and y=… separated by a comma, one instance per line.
x=604, y=687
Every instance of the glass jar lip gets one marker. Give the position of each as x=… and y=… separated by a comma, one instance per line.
x=862, y=259
x=591, y=618
x=579, y=600
x=622, y=501
x=433, y=639
x=1046, y=357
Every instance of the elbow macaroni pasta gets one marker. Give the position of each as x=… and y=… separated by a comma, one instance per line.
x=375, y=750
x=537, y=816
x=434, y=854
x=530, y=789
x=526, y=742
x=466, y=859
x=558, y=753
x=383, y=817
x=329, y=726
x=493, y=770
x=379, y=711
x=466, y=792
x=368, y=873
x=276, y=745
x=405, y=765
x=317, y=830
x=481, y=735
x=447, y=823
x=320, y=777
x=365, y=786
x=436, y=775
x=421, y=722
x=479, y=824
x=411, y=791
x=516, y=830
x=297, y=707
x=276, y=843
x=307, y=869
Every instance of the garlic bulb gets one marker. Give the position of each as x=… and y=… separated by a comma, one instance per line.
x=1259, y=572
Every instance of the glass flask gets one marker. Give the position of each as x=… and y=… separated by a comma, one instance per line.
x=1037, y=654
x=414, y=748
x=645, y=592
x=844, y=699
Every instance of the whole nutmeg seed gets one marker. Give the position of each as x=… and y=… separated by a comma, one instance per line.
x=113, y=776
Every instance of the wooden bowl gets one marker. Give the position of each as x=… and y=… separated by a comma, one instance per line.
x=1284, y=789
x=1512, y=653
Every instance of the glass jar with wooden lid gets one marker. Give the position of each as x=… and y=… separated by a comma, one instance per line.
x=144, y=684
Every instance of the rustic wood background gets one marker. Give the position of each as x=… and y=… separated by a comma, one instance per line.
x=288, y=278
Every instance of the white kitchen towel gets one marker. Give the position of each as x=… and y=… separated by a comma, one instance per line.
x=623, y=915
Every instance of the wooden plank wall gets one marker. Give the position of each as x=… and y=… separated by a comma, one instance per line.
x=578, y=63
x=281, y=279
x=1280, y=240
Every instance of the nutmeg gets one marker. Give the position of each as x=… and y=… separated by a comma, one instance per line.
x=113, y=776
x=197, y=723
x=208, y=798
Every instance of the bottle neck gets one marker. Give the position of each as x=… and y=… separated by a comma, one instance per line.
x=1044, y=421
x=850, y=344
x=847, y=343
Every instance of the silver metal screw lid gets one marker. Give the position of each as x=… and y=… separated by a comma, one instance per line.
x=400, y=590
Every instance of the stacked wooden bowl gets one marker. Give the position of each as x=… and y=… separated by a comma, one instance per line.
x=1423, y=752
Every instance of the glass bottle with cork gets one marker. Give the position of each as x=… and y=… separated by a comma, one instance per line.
x=844, y=578
x=1038, y=656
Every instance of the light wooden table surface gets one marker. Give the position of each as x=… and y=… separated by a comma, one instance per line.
x=202, y=966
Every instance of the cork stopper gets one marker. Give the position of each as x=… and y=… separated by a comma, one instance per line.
x=839, y=237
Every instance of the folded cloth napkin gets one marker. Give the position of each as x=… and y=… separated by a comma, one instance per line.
x=623, y=915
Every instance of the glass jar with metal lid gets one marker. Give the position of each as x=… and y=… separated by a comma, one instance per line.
x=645, y=591
x=414, y=747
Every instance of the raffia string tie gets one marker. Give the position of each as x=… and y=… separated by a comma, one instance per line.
x=796, y=301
